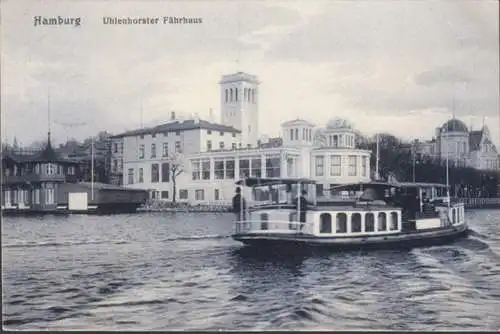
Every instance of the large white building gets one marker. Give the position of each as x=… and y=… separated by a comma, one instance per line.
x=462, y=146
x=206, y=158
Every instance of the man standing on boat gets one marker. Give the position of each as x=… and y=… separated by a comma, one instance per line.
x=302, y=204
x=239, y=205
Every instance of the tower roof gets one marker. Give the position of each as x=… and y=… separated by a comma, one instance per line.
x=454, y=125
x=239, y=76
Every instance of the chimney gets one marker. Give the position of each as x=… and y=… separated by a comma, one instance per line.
x=211, y=114
x=172, y=115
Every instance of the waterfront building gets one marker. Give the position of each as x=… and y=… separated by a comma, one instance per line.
x=463, y=147
x=34, y=180
x=209, y=176
x=196, y=161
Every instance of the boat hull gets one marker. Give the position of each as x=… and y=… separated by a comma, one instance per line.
x=309, y=242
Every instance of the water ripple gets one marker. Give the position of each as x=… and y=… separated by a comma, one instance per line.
x=175, y=272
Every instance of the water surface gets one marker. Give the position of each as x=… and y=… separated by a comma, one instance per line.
x=182, y=271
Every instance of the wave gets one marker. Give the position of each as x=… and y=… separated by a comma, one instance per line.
x=196, y=237
x=30, y=244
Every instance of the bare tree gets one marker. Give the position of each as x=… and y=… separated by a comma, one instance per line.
x=177, y=166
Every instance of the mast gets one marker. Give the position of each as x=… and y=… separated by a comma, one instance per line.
x=447, y=177
x=377, y=159
x=92, y=169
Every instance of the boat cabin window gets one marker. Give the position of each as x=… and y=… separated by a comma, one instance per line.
x=270, y=194
x=295, y=189
x=369, y=222
x=454, y=215
x=283, y=194
x=394, y=221
x=341, y=223
x=325, y=223
x=382, y=222
x=355, y=223
x=264, y=217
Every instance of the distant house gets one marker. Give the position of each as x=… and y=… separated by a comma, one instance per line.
x=461, y=146
x=33, y=180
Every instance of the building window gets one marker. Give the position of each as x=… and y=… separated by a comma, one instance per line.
x=221, y=133
x=141, y=136
x=195, y=170
x=219, y=169
x=50, y=195
x=115, y=166
x=153, y=150
x=341, y=223
x=178, y=148
x=153, y=135
x=325, y=223
x=121, y=148
x=115, y=148
x=121, y=165
x=226, y=95
x=205, y=170
x=291, y=134
x=394, y=221
x=229, y=169
x=37, y=195
x=273, y=166
x=155, y=173
x=209, y=145
x=335, y=165
x=296, y=134
x=183, y=194
x=141, y=175
x=233, y=146
x=165, y=134
x=234, y=135
x=216, y=194
x=209, y=132
x=71, y=169
x=164, y=194
x=320, y=165
x=356, y=223
x=363, y=165
x=164, y=152
x=335, y=141
x=256, y=168
x=369, y=222
x=319, y=190
x=199, y=195
x=236, y=94
x=165, y=172
x=244, y=168
x=50, y=169
x=352, y=165
x=141, y=151
x=130, y=176
x=230, y=94
x=253, y=95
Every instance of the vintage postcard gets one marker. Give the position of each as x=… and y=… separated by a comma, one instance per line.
x=250, y=165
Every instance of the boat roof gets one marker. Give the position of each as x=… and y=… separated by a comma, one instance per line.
x=379, y=184
x=254, y=181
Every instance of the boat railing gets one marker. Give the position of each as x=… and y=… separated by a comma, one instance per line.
x=245, y=226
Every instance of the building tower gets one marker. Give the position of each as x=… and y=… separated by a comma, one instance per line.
x=240, y=105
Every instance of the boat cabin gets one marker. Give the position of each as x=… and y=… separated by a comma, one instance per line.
x=280, y=206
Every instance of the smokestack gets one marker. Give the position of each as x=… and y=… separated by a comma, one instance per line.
x=172, y=115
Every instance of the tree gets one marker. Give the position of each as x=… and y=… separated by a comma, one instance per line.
x=176, y=163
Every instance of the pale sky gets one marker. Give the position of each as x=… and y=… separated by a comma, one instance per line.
x=395, y=66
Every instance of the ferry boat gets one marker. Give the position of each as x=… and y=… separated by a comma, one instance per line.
x=382, y=215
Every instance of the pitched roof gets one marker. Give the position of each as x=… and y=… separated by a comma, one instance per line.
x=48, y=154
x=179, y=125
x=475, y=140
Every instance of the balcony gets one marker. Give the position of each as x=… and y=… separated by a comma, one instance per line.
x=32, y=177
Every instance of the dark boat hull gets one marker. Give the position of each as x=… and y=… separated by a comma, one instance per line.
x=309, y=242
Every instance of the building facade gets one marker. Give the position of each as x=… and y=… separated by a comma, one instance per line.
x=197, y=161
x=34, y=181
x=461, y=146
